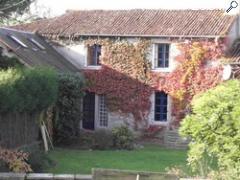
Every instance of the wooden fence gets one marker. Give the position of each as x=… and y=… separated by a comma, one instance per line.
x=18, y=130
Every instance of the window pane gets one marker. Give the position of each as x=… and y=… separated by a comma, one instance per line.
x=163, y=55
x=103, y=112
x=160, y=106
x=94, y=53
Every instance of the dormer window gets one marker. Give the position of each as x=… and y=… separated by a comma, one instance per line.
x=18, y=41
x=93, y=56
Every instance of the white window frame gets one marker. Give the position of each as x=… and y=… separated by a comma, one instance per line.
x=152, y=120
x=97, y=114
x=155, y=56
x=96, y=117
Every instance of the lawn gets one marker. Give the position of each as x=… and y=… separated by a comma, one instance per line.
x=150, y=158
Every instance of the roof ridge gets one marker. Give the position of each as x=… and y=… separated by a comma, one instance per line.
x=142, y=9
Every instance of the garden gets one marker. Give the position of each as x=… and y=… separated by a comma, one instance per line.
x=211, y=122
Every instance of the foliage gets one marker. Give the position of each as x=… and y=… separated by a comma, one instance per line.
x=15, y=160
x=123, y=77
x=68, y=108
x=123, y=138
x=198, y=70
x=37, y=158
x=8, y=7
x=128, y=82
x=213, y=127
x=27, y=90
x=103, y=139
x=151, y=131
x=7, y=62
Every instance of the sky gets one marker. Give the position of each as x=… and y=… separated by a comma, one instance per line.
x=58, y=7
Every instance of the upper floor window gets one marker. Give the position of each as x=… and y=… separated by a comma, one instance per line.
x=93, y=56
x=161, y=56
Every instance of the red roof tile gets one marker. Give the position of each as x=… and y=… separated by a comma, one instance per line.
x=137, y=22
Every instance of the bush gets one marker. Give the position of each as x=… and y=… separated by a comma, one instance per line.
x=27, y=90
x=7, y=62
x=68, y=108
x=213, y=127
x=122, y=138
x=102, y=139
x=37, y=158
x=15, y=161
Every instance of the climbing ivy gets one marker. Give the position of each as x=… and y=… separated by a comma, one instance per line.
x=128, y=82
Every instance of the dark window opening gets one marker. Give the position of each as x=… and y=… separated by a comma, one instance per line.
x=161, y=103
x=89, y=111
x=94, y=53
x=162, y=56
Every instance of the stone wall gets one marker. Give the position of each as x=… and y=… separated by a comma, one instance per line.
x=36, y=176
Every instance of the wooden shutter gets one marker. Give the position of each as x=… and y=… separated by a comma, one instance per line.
x=90, y=54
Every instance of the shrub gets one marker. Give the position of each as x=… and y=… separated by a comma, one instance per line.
x=7, y=62
x=68, y=108
x=15, y=161
x=37, y=158
x=27, y=90
x=213, y=127
x=122, y=138
x=102, y=139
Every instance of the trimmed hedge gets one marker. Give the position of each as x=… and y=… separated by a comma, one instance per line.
x=68, y=107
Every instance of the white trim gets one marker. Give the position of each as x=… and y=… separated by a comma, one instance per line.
x=97, y=120
x=90, y=67
x=154, y=58
x=152, y=112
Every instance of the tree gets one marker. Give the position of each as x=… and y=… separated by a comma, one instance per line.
x=7, y=7
x=10, y=7
x=214, y=129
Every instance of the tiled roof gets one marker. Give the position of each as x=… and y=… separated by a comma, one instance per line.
x=186, y=23
x=233, y=55
x=33, y=50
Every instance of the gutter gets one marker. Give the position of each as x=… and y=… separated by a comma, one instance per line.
x=133, y=36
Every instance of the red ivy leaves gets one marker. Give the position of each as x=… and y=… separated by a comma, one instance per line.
x=130, y=92
x=123, y=92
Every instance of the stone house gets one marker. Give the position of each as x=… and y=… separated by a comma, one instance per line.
x=164, y=29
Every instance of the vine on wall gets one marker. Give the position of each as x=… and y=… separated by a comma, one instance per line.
x=128, y=82
x=124, y=77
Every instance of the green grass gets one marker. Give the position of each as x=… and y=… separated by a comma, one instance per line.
x=150, y=158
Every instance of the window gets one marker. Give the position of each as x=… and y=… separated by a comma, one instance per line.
x=162, y=56
x=37, y=44
x=18, y=41
x=94, y=53
x=160, y=110
x=103, y=112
